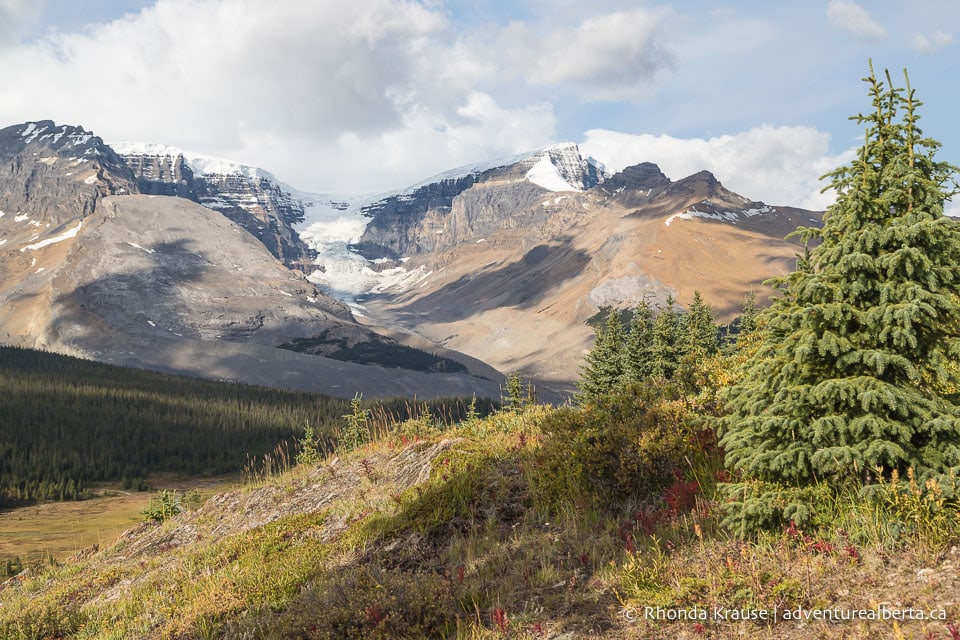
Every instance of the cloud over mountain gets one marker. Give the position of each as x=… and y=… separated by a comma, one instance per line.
x=780, y=165
x=278, y=80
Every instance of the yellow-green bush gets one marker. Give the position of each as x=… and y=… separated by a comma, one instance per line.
x=622, y=448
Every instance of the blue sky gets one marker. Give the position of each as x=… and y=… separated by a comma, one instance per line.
x=341, y=95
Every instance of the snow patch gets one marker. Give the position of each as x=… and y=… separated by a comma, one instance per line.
x=725, y=216
x=66, y=235
x=90, y=179
x=545, y=174
x=21, y=217
x=31, y=133
x=3, y=241
x=136, y=246
x=80, y=138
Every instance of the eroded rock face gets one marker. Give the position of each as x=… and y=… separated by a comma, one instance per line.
x=251, y=198
x=51, y=174
x=465, y=205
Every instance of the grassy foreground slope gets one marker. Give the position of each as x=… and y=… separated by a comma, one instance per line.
x=530, y=523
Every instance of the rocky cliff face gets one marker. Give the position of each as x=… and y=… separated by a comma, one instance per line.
x=466, y=204
x=51, y=174
x=252, y=198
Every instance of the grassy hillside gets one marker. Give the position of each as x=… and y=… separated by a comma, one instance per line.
x=539, y=522
x=68, y=423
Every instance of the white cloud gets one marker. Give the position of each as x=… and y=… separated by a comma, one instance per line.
x=610, y=56
x=287, y=85
x=778, y=165
x=15, y=17
x=932, y=43
x=428, y=144
x=854, y=19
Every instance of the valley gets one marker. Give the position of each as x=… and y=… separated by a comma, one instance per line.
x=190, y=317
x=54, y=532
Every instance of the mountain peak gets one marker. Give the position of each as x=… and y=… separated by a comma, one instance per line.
x=703, y=176
x=57, y=173
x=48, y=133
x=199, y=163
x=560, y=167
x=643, y=176
x=251, y=197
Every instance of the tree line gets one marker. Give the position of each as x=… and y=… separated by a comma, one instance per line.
x=653, y=341
x=67, y=423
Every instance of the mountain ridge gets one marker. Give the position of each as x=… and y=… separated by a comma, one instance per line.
x=502, y=261
x=91, y=267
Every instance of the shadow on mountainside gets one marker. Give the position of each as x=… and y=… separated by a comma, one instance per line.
x=132, y=302
x=159, y=315
x=521, y=284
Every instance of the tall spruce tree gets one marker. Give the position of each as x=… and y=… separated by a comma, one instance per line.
x=864, y=333
x=745, y=323
x=638, y=348
x=602, y=369
x=666, y=346
x=699, y=336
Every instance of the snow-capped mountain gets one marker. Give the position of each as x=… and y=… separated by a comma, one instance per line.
x=511, y=271
x=469, y=202
x=251, y=197
x=502, y=260
x=98, y=259
x=362, y=243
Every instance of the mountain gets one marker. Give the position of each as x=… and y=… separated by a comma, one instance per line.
x=364, y=242
x=470, y=202
x=251, y=197
x=494, y=264
x=51, y=174
x=89, y=266
x=486, y=268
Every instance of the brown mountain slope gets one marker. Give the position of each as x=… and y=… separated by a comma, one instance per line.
x=519, y=298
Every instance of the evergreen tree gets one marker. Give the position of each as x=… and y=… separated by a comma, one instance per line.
x=602, y=369
x=854, y=350
x=699, y=336
x=666, y=344
x=356, y=433
x=519, y=393
x=745, y=323
x=638, y=347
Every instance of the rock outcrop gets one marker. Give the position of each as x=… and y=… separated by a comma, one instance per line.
x=252, y=198
x=466, y=204
x=50, y=174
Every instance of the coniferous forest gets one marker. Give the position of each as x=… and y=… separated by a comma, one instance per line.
x=67, y=423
